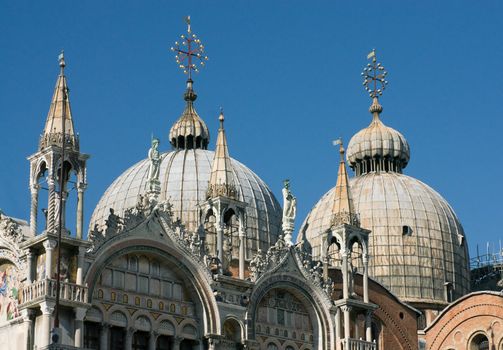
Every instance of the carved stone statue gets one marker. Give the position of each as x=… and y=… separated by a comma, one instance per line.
x=289, y=212
x=257, y=265
x=155, y=160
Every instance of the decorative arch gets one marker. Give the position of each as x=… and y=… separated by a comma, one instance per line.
x=138, y=243
x=299, y=287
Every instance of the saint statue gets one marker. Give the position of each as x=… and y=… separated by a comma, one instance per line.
x=155, y=160
x=289, y=212
x=289, y=203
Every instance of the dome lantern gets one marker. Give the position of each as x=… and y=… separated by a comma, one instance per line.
x=189, y=131
x=377, y=147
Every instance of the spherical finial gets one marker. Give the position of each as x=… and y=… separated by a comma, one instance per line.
x=61, y=59
x=375, y=107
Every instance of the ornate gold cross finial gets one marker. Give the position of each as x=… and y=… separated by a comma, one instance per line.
x=189, y=51
x=374, y=76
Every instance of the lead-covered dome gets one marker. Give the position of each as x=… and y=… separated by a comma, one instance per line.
x=417, y=245
x=184, y=177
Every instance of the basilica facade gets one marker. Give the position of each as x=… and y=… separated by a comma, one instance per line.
x=190, y=249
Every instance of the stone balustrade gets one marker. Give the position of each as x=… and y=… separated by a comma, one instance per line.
x=46, y=288
x=355, y=344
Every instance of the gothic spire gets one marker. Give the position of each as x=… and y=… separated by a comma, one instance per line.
x=221, y=178
x=59, y=108
x=343, y=209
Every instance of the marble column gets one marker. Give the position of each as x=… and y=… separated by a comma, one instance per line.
x=347, y=321
x=338, y=329
x=368, y=325
x=105, y=331
x=365, y=278
x=220, y=241
x=80, y=210
x=152, y=340
x=49, y=246
x=129, y=338
x=29, y=266
x=241, y=251
x=176, y=343
x=52, y=204
x=27, y=315
x=34, y=209
x=345, y=284
x=80, y=313
x=80, y=265
x=47, y=308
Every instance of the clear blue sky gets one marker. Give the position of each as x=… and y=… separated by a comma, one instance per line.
x=288, y=76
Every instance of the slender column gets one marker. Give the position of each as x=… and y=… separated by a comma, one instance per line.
x=365, y=278
x=324, y=255
x=220, y=233
x=176, y=343
x=80, y=265
x=105, y=331
x=368, y=325
x=152, y=340
x=338, y=327
x=80, y=313
x=241, y=251
x=129, y=338
x=34, y=209
x=80, y=210
x=29, y=266
x=347, y=321
x=47, y=308
x=49, y=246
x=212, y=343
x=52, y=204
x=345, y=284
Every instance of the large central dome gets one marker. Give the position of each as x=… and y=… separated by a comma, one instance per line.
x=184, y=176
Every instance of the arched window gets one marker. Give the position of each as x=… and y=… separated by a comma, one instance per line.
x=272, y=346
x=479, y=342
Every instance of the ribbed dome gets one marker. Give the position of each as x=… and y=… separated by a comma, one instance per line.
x=189, y=131
x=377, y=147
x=184, y=177
x=417, y=244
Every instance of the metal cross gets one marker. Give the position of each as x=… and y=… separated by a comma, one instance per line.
x=374, y=76
x=189, y=51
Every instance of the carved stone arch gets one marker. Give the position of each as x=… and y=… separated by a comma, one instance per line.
x=237, y=321
x=188, y=329
x=303, y=290
x=96, y=314
x=166, y=325
x=117, y=317
x=476, y=338
x=355, y=237
x=40, y=168
x=143, y=321
x=199, y=280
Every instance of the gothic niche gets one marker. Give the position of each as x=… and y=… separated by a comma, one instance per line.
x=9, y=291
x=154, y=294
x=283, y=322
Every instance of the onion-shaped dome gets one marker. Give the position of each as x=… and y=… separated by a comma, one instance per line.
x=189, y=131
x=184, y=176
x=417, y=245
x=377, y=147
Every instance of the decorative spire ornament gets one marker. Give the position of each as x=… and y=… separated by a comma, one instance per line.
x=374, y=76
x=189, y=52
